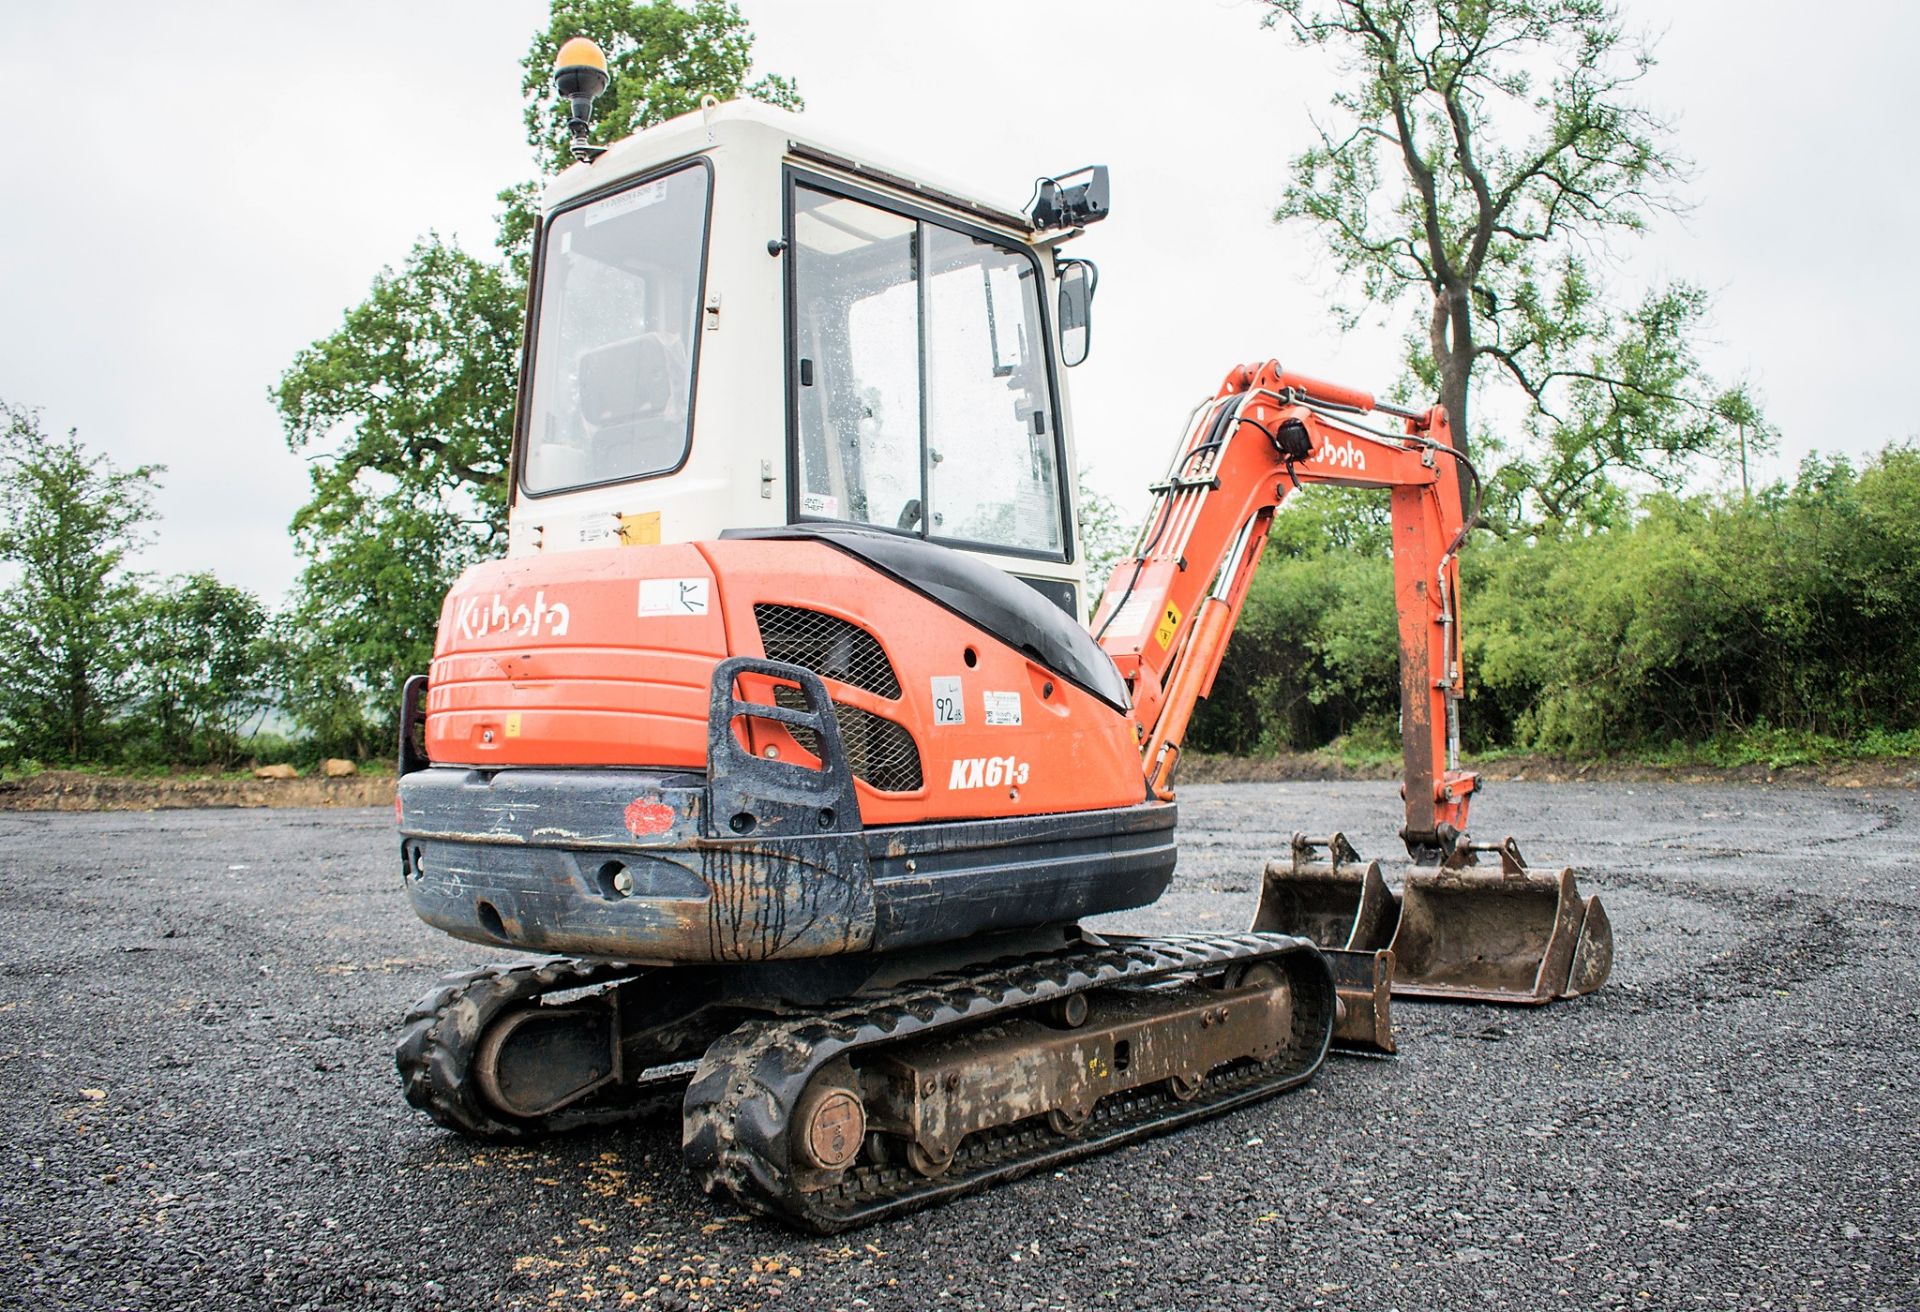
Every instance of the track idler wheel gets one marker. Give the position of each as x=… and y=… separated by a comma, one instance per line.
x=535, y=1060
x=830, y=1125
x=484, y=1055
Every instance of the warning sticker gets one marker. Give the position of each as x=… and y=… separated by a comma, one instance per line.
x=582, y=531
x=641, y=530
x=1130, y=619
x=673, y=596
x=1168, y=626
x=949, y=704
x=1003, y=707
x=819, y=503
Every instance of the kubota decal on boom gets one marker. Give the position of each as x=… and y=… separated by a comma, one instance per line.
x=1341, y=455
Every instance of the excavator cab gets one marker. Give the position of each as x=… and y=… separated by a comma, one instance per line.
x=737, y=324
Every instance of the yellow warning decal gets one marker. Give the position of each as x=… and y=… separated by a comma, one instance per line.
x=1168, y=626
x=513, y=725
x=642, y=530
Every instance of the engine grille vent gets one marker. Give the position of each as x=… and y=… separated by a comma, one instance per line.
x=880, y=753
x=829, y=646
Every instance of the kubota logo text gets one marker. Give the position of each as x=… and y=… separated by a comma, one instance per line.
x=987, y=772
x=475, y=617
x=1342, y=455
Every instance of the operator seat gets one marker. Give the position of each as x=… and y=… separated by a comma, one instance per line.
x=988, y=598
x=633, y=398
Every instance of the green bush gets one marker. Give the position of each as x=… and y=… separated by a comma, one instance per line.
x=1314, y=656
x=1780, y=628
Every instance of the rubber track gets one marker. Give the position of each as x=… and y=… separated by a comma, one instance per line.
x=442, y=1033
x=740, y=1102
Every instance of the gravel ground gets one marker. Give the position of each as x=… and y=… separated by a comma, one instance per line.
x=200, y=1106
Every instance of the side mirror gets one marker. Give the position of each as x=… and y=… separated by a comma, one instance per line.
x=1078, y=280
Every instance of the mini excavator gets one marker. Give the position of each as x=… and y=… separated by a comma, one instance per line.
x=777, y=734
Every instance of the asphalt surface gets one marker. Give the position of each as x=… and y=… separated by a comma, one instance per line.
x=198, y=1105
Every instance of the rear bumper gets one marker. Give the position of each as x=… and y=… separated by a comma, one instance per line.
x=623, y=863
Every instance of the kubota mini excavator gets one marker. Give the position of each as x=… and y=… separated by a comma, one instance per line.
x=778, y=722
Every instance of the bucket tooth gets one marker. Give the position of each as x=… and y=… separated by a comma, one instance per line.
x=1512, y=935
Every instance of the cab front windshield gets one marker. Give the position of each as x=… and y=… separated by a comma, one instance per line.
x=617, y=329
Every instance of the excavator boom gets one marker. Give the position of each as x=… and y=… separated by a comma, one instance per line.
x=1166, y=618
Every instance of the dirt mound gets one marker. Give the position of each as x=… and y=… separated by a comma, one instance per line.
x=73, y=790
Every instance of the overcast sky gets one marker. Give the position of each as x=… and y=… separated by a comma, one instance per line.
x=195, y=191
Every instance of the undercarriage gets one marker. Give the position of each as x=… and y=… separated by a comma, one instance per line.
x=903, y=1092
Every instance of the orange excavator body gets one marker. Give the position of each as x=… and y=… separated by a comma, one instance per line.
x=606, y=658
x=959, y=697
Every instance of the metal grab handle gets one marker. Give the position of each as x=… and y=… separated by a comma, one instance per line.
x=1511, y=862
x=818, y=715
x=413, y=715
x=763, y=796
x=1339, y=850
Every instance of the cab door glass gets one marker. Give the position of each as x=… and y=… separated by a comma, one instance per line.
x=990, y=444
x=857, y=335
x=615, y=335
x=921, y=395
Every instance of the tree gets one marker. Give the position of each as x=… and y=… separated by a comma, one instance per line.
x=1104, y=537
x=410, y=400
x=406, y=410
x=1739, y=407
x=662, y=58
x=203, y=667
x=1484, y=151
x=365, y=616
x=69, y=518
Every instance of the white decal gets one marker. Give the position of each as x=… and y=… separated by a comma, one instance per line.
x=1344, y=455
x=819, y=503
x=949, y=704
x=637, y=199
x=475, y=618
x=1003, y=707
x=1131, y=619
x=987, y=772
x=673, y=596
x=581, y=531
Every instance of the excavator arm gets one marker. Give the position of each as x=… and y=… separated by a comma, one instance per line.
x=1451, y=930
x=1169, y=611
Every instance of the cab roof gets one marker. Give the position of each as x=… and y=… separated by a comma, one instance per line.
x=749, y=120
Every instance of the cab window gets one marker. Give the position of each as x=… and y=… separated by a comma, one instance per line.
x=615, y=335
x=921, y=395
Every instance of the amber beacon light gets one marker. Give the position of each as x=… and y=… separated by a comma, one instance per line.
x=580, y=74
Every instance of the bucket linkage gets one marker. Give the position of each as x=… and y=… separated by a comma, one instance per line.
x=1454, y=930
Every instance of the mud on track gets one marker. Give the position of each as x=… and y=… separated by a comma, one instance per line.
x=200, y=1108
